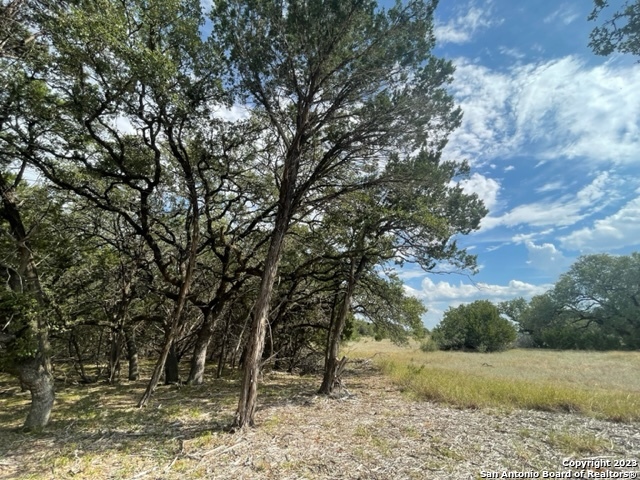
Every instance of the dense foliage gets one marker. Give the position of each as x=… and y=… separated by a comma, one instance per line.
x=166, y=224
x=477, y=326
x=595, y=305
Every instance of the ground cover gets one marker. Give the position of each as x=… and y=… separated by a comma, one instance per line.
x=600, y=384
x=371, y=430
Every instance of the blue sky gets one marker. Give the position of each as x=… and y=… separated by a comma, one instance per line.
x=552, y=132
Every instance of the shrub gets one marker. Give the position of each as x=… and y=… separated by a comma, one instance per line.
x=477, y=326
x=429, y=345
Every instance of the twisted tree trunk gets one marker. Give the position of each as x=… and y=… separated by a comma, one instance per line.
x=35, y=376
x=34, y=372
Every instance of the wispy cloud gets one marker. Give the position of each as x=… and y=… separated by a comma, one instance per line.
x=564, y=14
x=564, y=211
x=463, y=28
x=621, y=229
x=550, y=187
x=511, y=52
x=553, y=111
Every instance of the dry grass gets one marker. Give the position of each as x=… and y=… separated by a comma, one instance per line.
x=601, y=384
x=96, y=431
x=375, y=432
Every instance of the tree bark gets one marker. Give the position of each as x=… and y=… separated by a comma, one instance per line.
x=169, y=337
x=199, y=358
x=331, y=360
x=255, y=345
x=35, y=372
x=335, y=333
x=39, y=381
x=171, y=369
x=114, y=357
x=132, y=353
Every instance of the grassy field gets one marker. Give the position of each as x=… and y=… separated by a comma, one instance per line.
x=600, y=384
x=97, y=432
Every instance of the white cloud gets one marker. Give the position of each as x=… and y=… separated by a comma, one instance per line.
x=554, y=110
x=486, y=188
x=546, y=257
x=615, y=231
x=438, y=296
x=565, y=14
x=564, y=211
x=508, y=168
x=440, y=291
x=511, y=52
x=233, y=113
x=550, y=187
x=408, y=273
x=462, y=29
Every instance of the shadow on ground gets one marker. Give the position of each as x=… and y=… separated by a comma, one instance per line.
x=103, y=419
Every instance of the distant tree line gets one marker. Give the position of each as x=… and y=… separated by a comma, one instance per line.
x=164, y=225
x=595, y=306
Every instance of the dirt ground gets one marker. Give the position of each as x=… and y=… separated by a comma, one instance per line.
x=371, y=430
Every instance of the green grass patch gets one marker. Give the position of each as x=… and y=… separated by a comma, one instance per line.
x=571, y=443
x=537, y=380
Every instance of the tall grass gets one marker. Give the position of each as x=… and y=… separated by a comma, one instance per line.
x=602, y=385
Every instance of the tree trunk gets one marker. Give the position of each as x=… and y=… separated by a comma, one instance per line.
x=223, y=348
x=132, y=353
x=169, y=337
x=255, y=345
x=38, y=380
x=211, y=315
x=221, y=358
x=173, y=328
x=114, y=357
x=171, y=370
x=199, y=358
x=74, y=350
x=34, y=373
x=331, y=359
x=335, y=333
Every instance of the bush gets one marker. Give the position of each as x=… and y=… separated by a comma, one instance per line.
x=477, y=326
x=429, y=345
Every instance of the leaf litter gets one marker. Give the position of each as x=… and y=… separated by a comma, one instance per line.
x=367, y=430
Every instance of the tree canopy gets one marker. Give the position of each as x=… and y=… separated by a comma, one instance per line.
x=162, y=227
x=595, y=305
x=477, y=326
x=620, y=31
